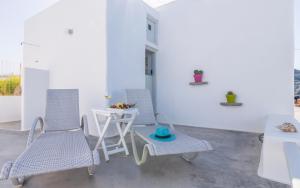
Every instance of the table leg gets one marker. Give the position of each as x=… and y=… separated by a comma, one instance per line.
x=105, y=150
x=122, y=138
x=127, y=128
x=101, y=138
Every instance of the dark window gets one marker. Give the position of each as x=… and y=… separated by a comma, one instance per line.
x=149, y=27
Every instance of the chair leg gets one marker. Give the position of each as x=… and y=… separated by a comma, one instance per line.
x=139, y=161
x=92, y=170
x=18, y=181
x=189, y=157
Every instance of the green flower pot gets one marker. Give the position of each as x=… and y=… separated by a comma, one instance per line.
x=231, y=99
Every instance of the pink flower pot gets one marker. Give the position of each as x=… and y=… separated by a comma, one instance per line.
x=198, y=77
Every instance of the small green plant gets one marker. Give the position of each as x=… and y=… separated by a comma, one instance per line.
x=230, y=93
x=198, y=71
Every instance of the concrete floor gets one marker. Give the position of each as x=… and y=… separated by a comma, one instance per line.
x=233, y=164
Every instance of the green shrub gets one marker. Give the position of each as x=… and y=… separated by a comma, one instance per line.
x=198, y=71
x=9, y=85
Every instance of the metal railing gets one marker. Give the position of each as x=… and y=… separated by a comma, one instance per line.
x=9, y=68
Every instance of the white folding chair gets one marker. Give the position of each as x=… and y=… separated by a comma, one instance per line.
x=111, y=123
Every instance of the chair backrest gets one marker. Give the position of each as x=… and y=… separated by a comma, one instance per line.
x=62, y=110
x=143, y=102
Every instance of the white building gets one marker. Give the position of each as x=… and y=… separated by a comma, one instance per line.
x=100, y=47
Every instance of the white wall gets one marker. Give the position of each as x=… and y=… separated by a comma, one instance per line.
x=126, y=35
x=297, y=34
x=105, y=55
x=153, y=13
x=10, y=108
x=73, y=61
x=35, y=83
x=244, y=46
x=297, y=24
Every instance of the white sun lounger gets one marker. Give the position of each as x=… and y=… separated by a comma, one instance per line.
x=184, y=145
x=62, y=144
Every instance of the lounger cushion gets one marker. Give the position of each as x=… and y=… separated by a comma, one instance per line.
x=182, y=144
x=142, y=100
x=53, y=151
x=62, y=110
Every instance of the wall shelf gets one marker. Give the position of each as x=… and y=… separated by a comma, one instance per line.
x=198, y=83
x=231, y=104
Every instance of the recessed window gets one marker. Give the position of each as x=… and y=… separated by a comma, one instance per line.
x=151, y=29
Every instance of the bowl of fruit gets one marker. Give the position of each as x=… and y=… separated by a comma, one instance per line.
x=122, y=106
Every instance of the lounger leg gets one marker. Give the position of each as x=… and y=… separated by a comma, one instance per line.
x=135, y=153
x=92, y=170
x=18, y=181
x=189, y=157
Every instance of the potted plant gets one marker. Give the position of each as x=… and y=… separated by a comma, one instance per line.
x=198, y=75
x=231, y=97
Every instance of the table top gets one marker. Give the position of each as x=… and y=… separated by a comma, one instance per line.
x=122, y=111
x=272, y=131
x=117, y=111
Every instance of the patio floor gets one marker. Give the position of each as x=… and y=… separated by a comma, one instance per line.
x=232, y=164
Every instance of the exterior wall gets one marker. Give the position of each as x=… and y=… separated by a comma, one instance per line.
x=126, y=35
x=105, y=54
x=10, y=108
x=244, y=46
x=297, y=34
x=34, y=95
x=153, y=13
x=297, y=24
x=73, y=61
